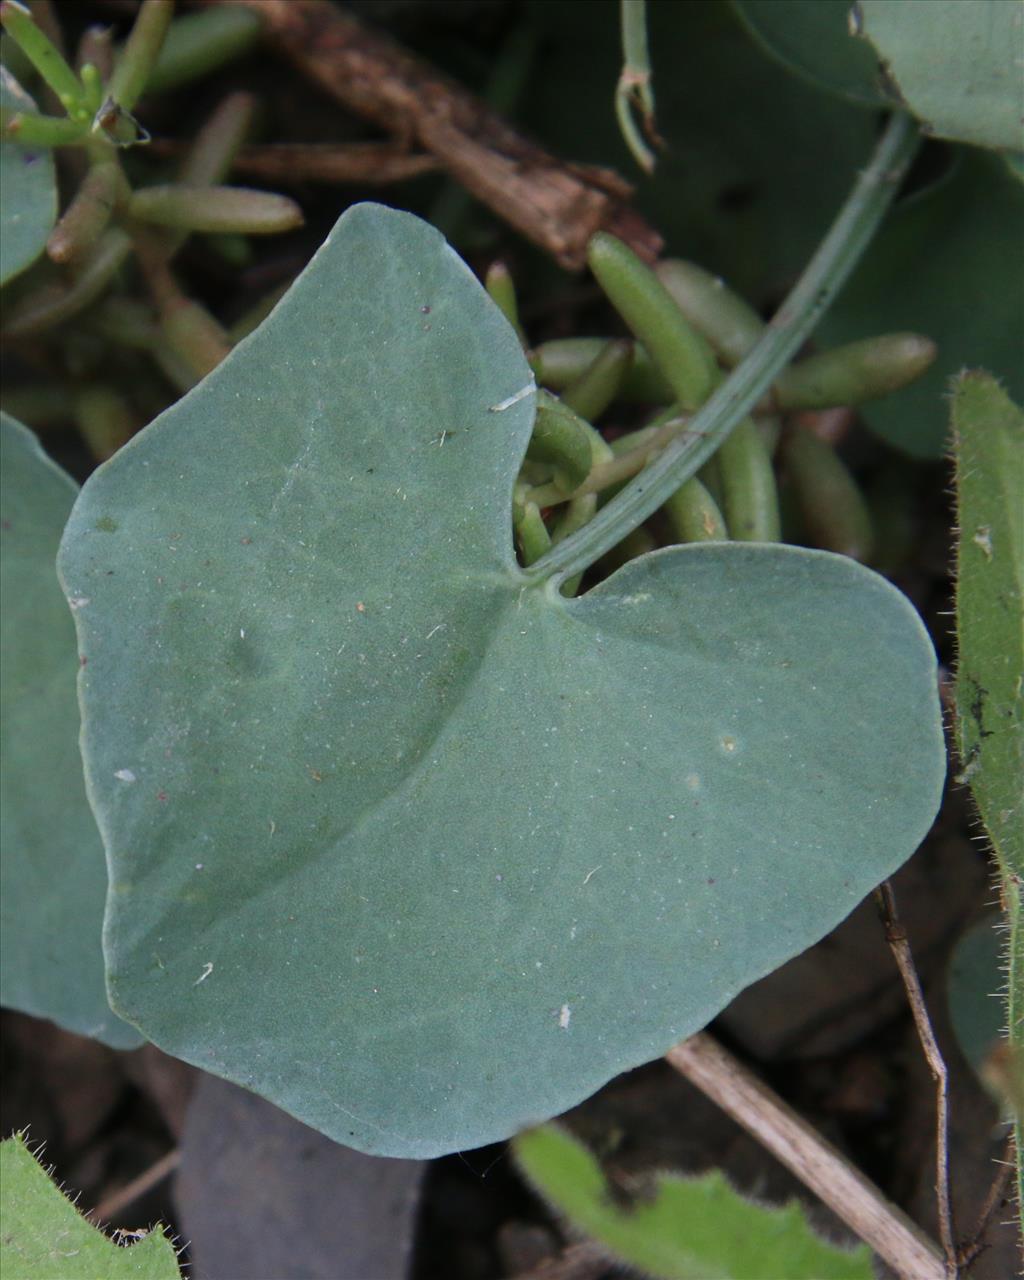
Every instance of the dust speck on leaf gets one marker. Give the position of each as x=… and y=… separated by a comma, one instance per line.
x=124, y=775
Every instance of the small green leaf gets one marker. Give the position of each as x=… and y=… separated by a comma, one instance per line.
x=45, y=1237
x=682, y=1228
x=956, y=66
x=814, y=39
x=989, y=446
x=976, y=986
x=400, y=837
x=988, y=431
x=28, y=191
x=944, y=265
x=53, y=874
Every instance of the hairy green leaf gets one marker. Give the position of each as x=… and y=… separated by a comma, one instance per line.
x=944, y=264
x=52, y=872
x=976, y=987
x=44, y=1236
x=814, y=39
x=414, y=845
x=682, y=1228
x=956, y=66
x=28, y=191
x=988, y=442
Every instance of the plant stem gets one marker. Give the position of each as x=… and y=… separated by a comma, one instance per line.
x=896, y=937
x=799, y=1146
x=139, y=56
x=44, y=55
x=634, y=86
x=822, y=279
x=619, y=467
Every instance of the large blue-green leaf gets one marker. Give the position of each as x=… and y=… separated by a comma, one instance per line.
x=52, y=871
x=957, y=66
x=947, y=263
x=28, y=191
x=406, y=841
x=814, y=38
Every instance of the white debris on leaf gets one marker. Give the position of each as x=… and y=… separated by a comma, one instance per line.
x=124, y=775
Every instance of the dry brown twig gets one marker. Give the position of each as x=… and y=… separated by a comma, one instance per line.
x=802, y=1149
x=287, y=163
x=897, y=938
x=558, y=206
x=998, y=1195
x=119, y=1200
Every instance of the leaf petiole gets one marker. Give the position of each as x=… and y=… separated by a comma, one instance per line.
x=829, y=268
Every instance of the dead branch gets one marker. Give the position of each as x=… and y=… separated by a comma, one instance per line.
x=897, y=939
x=799, y=1146
x=287, y=163
x=558, y=206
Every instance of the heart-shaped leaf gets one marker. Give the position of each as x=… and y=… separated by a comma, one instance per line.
x=814, y=39
x=52, y=873
x=955, y=65
x=28, y=191
x=400, y=837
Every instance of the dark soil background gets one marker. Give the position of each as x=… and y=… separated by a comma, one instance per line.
x=253, y=1195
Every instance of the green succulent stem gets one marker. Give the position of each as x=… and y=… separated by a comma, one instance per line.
x=729, y=322
x=50, y=306
x=599, y=384
x=693, y=514
x=829, y=268
x=213, y=208
x=42, y=131
x=199, y=43
x=138, y=59
x=83, y=222
x=44, y=55
x=502, y=288
x=620, y=466
x=748, y=486
x=530, y=530
x=834, y=510
x=681, y=354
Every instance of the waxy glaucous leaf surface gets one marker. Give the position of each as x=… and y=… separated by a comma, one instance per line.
x=52, y=873
x=28, y=191
x=400, y=837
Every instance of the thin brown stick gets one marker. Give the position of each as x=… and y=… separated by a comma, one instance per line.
x=288, y=163
x=799, y=1146
x=998, y=1194
x=897, y=938
x=558, y=206
x=119, y=1200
